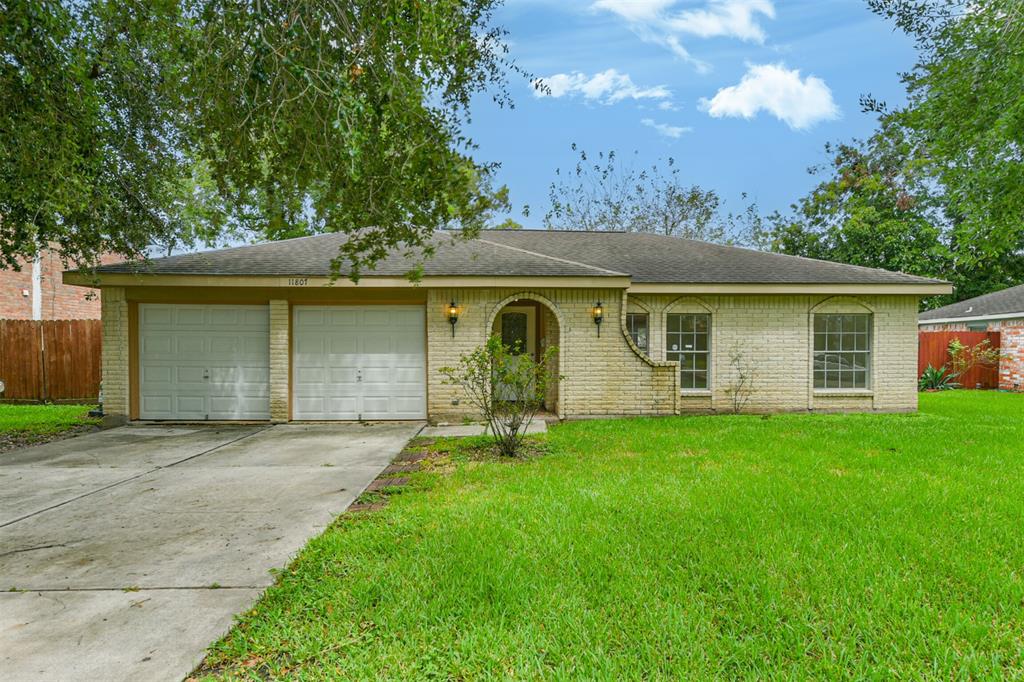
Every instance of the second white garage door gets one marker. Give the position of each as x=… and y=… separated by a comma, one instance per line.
x=359, y=362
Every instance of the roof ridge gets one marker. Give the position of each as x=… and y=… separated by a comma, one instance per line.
x=554, y=258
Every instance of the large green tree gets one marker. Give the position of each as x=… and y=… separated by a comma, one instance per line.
x=125, y=124
x=938, y=190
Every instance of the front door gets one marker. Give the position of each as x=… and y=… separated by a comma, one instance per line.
x=517, y=326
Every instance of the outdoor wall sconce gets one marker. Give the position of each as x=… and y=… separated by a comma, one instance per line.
x=598, y=316
x=453, y=316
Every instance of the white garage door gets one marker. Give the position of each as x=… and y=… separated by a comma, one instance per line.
x=204, y=361
x=359, y=362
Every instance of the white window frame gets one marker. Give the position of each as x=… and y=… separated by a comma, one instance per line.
x=683, y=351
x=858, y=341
x=630, y=316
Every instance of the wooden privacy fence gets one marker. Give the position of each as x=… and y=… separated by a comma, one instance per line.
x=50, y=360
x=933, y=349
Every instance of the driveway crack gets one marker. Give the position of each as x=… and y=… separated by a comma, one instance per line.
x=136, y=476
x=32, y=549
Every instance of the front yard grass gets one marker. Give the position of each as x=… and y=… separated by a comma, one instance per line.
x=796, y=546
x=22, y=424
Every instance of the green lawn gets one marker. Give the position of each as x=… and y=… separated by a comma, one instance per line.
x=798, y=546
x=41, y=420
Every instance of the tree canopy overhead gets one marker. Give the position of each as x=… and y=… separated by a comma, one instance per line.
x=174, y=122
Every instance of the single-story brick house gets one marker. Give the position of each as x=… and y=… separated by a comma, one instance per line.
x=1000, y=311
x=644, y=324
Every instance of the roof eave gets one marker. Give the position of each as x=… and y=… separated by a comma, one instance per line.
x=112, y=279
x=835, y=288
x=973, y=318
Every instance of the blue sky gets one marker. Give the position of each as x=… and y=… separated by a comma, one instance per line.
x=742, y=93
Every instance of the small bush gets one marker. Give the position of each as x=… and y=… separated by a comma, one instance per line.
x=937, y=379
x=507, y=386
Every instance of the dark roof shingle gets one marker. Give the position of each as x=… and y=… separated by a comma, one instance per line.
x=1006, y=302
x=536, y=253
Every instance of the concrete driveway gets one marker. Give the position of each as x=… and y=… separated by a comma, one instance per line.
x=116, y=540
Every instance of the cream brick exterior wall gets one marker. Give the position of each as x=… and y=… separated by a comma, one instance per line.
x=608, y=375
x=280, y=349
x=114, y=355
x=602, y=375
x=774, y=332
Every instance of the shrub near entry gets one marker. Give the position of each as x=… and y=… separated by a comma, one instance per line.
x=506, y=385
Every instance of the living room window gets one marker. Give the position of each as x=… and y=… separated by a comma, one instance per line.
x=688, y=341
x=842, y=351
x=638, y=325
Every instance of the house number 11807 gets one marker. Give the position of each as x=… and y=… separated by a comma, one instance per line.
x=298, y=281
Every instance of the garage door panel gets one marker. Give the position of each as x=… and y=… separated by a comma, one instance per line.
x=359, y=368
x=342, y=405
x=204, y=362
x=184, y=375
x=190, y=316
x=341, y=376
x=342, y=344
x=341, y=317
x=156, y=316
x=152, y=345
x=191, y=347
x=306, y=316
x=162, y=403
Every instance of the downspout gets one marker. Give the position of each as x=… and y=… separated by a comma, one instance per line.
x=37, y=287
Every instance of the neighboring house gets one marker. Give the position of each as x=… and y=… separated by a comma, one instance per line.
x=644, y=324
x=37, y=292
x=1000, y=311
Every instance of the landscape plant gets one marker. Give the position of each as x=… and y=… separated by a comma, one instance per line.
x=744, y=374
x=506, y=386
x=963, y=358
x=936, y=379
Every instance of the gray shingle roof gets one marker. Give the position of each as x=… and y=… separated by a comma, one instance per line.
x=1006, y=302
x=657, y=258
x=537, y=253
x=311, y=257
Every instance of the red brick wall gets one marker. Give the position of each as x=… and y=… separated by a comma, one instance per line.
x=59, y=301
x=1011, y=365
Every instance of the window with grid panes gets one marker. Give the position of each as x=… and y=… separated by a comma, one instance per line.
x=688, y=341
x=637, y=325
x=842, y=351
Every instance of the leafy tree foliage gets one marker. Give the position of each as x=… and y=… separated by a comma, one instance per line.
x=125, y=124
x=601, y=194
x=938, y=190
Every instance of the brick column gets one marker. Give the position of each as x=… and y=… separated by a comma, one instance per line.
x=279, y=333
x=1011, y=366
x=114, y=356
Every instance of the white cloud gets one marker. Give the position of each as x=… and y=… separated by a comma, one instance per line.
x=607, y=87
x=661, y=23
x=665, y=129
x=635, y=10
x=729, y=18
x=780, y=91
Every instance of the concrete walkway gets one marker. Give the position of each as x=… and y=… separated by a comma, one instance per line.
x=131, y=549
x=537, y=425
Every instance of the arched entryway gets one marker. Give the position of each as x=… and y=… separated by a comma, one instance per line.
x=533, y=324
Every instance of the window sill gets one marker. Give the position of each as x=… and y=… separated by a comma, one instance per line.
x=694, y=392
x=859, y=392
